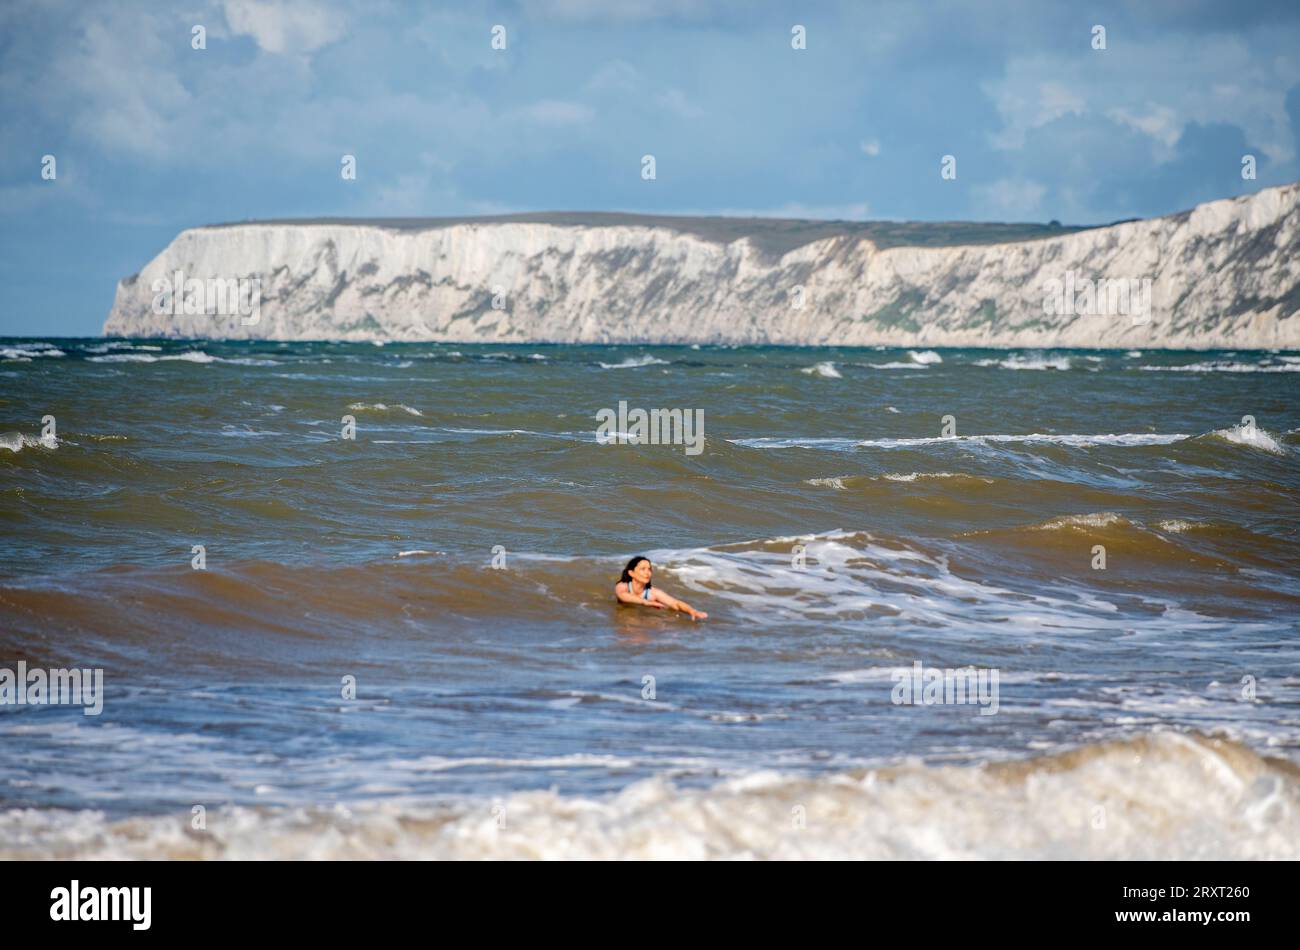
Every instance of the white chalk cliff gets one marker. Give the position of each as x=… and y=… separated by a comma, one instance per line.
x=1223, y=275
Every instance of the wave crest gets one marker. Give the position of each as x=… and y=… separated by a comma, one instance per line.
x=1163, y=796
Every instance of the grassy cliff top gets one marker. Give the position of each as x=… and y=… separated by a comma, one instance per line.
x=772, y=235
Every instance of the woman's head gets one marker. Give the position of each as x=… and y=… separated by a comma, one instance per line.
x=639, y=568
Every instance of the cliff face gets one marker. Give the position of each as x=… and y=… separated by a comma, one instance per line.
x=1226, y=274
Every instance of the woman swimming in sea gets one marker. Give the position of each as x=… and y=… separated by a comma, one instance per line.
x=634, y=588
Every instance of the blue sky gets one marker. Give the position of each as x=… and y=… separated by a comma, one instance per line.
x=152, y=136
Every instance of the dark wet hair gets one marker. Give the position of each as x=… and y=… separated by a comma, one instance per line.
x=631, y=566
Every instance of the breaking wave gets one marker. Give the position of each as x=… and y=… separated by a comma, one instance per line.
x=826, y=370
x=635, y=363
x=1162, y=796
x=1021, y=361
x=1126, y=438
x=1225, y=366
x=384, y=407
x=1252, y=436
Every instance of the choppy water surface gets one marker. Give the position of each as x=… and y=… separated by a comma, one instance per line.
x=483, y=693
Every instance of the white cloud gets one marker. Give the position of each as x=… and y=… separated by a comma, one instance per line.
x=871, y=147
x=1031, y=105
x=1160, y=123
x=285, y=26
x=115, y=87
x=1156, y=88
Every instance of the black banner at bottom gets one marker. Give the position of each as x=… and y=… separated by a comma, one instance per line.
x=1220, y=900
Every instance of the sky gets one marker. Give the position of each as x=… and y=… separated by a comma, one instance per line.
x=151, y=135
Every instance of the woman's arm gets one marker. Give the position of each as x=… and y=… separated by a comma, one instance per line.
x=672, y=603
x=625, y=596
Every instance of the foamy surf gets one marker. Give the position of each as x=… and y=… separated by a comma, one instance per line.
x=836, y=483
x=635, y=363
x=1099, y=519
x=1225, y=366
x=120, y=345
x=1251, y=436
x=834, y=444
x=852, y=574
x=17, y=441
x=1163, y=796
x=913, y=476
x=190, y=356
x=1021, y=361
x=24, y=352
x=825, y=370
x=384, y=407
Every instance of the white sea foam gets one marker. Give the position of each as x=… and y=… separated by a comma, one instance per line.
x=635, y=363
x=834, y=444
x=913, y=476
x=23, y=352
x=189, y=356
x=384, y=407
x=926, y=357
x=826, y=370
x=493, y=431
x=1164, y=795
x=1254, y=437
x=16, y=442
x=1098, y=519
x=836, y=483
x=852, y=575
x=1224, y=366
x=119, y=345
x=1021, y=361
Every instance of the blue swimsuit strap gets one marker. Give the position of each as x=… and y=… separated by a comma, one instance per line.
x=645, y=592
